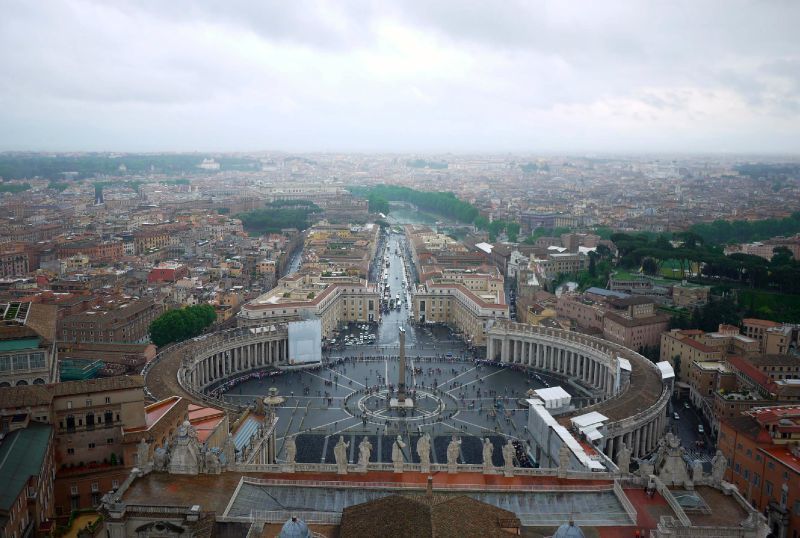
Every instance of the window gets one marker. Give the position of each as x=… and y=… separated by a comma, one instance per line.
x=747, y=474
x=756, y=479
x=115, y=483
x=88, y=403
x=95, y=486
x=109, y=441
x=737, y=468
x=69, y=404
x=770, y=465
x=91, y=445
x=70, y=451
x=73, y=489
x=768, y=487
x=749, y=453
x=108, y=399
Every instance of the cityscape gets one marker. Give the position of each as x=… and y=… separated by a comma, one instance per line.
x=399, y=321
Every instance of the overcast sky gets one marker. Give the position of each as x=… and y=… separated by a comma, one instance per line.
x=432, y=75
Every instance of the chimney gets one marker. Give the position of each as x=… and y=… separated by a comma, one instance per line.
x=430, y=486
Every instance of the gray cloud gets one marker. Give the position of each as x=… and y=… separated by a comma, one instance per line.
x=444, y=75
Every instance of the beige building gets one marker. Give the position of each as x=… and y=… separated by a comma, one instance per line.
x=332, y=300
x=685, y=345
x=757, y=328
x=634, y=322
x=468, y=301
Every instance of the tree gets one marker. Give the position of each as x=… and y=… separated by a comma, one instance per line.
x=676, y=365
x=592, y=264
x=178, y=325
x=650, y=266
x=512, y=229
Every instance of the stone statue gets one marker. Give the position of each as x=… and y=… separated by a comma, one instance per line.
x=289, y=449
x=229, y=451
x=670, y=462
x=697, y=471
x=424, y=452
x=624, y=459
x=719, y=463
x=340, y=454
x=397, y=454
x=364, y=451
x=211, y=462
x=508, y=455
x=142, y=454
x=563, y=460
x=185, y=455
x=160, y=459
x=488, y=449
x=453, y=450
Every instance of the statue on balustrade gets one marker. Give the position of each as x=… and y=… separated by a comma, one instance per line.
x=229, y=451
x=290, y=449
x=364, y=451
x=508, y=456
x=453, y=451
x=624, y=459
x=340, y=455
x=397, y=454
x=719, y=463
x=424, y=452
x=488, y=449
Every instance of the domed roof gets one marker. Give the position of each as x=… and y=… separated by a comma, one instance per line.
x=295, y=527
x=569, y=530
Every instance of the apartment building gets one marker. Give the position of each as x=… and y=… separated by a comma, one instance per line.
x=468, y=301
x=683, y=347
x=121, y=320
x=306, y=295
x=26, y=479
x=633, y=322
x=761, y=446
x=757, y=328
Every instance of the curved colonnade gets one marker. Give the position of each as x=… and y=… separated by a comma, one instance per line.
x=636, y=399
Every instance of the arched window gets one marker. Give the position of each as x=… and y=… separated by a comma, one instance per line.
x=38, y=381
x=21, y=382
x=70, y=423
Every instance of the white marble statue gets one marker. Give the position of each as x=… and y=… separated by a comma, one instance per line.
x=488, y=449
x=340, y=454
x=624, y=459
x=424, y=452
x=364, y=452
x=508, y=455
x=453, y=450
x=697, y=471
x=229, y=451
x=719, y=463
x=290, y=449
x=397, y=454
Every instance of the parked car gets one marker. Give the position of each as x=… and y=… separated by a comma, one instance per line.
x=676, y=416
x=700, y=429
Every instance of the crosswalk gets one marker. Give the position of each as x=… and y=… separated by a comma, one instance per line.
x=701, y=455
